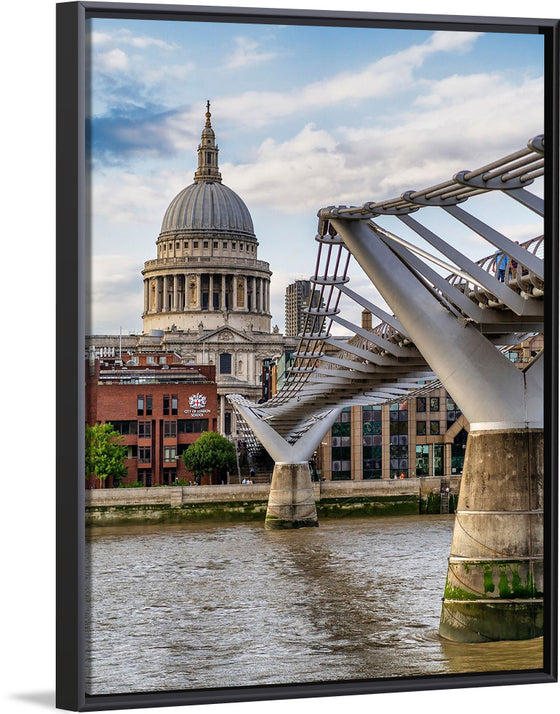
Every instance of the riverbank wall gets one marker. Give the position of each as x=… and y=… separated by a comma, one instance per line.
x=240, y=502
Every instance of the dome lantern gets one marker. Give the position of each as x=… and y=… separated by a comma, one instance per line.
x=208, y=153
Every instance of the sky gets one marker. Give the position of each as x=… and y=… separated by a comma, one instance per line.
x=305, y=117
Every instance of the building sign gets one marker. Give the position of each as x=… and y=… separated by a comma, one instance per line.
x=197, y=402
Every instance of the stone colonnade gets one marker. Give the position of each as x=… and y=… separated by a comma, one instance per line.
x=178, y=292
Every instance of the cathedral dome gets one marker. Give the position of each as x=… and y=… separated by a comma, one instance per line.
x=207, y=205
x=207, y=270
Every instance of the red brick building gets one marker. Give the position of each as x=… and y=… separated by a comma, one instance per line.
x=159, y=405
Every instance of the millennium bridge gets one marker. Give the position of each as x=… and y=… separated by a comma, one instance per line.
x=449, y=322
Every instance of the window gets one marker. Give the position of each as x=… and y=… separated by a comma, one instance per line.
x=241, y=246
x=177, y=245
x=437, y=458
x=420, y=428
x=453, y=411
x=422, y=460
x=169, y=429
x=144, y=429
x=169, y=476
x=205, y=244
x=148, y=405
x=186, y=244
x=225, y=363
x=233, y=245
x=224, y=244
x=193, y=426
x=341, y=429
x=145, y=477
x=340, y=447
x=124, y=427
x=434, y=427
x=144, y=454
x=215, y=244
x=140, y=405
x=166, y=405
x=163, y=360
x=371, y=426
x=169, y=453
x=170, y=246
x=195, y=244
x=371, y=464
x=398, y=460
x=420, y=404
x=458, y=452
x=434, y=404
x=174, y=402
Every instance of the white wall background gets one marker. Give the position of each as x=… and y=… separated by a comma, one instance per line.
x=28, y=362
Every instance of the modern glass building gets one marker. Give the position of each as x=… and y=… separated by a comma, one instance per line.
x=424, y=436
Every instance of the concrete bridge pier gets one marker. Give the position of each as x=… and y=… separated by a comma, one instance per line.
x=291, y=503
x=494, y=586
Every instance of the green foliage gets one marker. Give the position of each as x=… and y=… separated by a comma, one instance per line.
x=134, y=484
x=210, y=451
x=105, y=452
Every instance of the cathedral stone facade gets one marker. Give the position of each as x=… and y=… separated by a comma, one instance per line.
x=206, y=294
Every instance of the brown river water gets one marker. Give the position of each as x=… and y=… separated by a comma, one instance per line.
x=177, y=607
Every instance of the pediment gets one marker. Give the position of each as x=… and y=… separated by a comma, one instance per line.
x=226, y=334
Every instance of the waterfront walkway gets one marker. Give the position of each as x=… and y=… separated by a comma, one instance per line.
x=248, y=502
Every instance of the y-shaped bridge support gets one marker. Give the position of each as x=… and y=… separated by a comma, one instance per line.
x=495, y=577
x=291, y=503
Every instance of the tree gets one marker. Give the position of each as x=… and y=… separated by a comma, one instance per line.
x=210, y=451
x=105, y=452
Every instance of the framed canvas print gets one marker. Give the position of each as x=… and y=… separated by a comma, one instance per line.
x=307, y=361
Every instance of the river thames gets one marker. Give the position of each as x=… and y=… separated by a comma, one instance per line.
x=216, y=605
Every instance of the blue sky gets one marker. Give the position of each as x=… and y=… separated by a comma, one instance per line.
x=304, y=117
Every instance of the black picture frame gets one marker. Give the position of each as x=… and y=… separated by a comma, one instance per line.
x=71, y=260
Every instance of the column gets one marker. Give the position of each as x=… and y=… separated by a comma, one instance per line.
x=175, y=292
x=234, y=291
x=254, y=307
x=199, y=277
x=185, y=291
x=146, y=295
x=430, y=459
x=165, y=291
x=223, y=292
x=211, y=291
x=261, y=295
x=245, y=291
x=447, y=459
x=159, y=296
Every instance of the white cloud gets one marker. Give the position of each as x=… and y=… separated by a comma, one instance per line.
x=113, y=61
x=116, y=289
x=463, y=122
x=391, y=74
x=125, y=37
x=247, y=52
x=125, y=197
